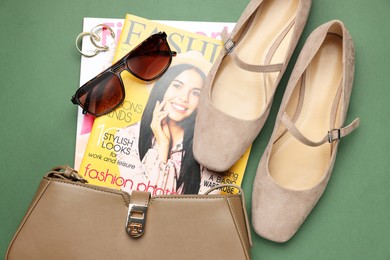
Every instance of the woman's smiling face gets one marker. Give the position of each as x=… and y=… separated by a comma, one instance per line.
x=182, y=95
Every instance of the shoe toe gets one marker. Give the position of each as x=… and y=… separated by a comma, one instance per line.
x=214, y=146
x=278, y=212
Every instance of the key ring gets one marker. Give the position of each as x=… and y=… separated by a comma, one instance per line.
x=92, y=36
x=93, y=39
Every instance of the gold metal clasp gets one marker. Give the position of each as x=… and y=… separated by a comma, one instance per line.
x=135, y=229
x=136, y=218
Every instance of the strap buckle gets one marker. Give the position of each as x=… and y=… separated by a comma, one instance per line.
x=334, y=134
x=229, y=45
x=136, y=218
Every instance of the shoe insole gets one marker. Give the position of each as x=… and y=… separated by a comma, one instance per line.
x=293, y=164
x=243, y=94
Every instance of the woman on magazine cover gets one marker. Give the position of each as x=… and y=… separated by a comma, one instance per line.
x=165, y=132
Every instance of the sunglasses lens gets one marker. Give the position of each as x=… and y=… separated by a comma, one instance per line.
x=101, y=95
x=150, y=59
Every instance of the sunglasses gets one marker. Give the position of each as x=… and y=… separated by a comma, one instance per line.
x=105, y=92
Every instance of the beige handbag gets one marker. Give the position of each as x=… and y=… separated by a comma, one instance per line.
x=69, y=219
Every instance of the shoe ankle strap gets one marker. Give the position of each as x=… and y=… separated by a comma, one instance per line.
x=332, y=135
x=229, y=47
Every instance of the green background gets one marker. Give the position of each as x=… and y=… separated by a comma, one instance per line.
x=39, y=68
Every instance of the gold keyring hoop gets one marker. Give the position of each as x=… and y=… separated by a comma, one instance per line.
x=92, y=36
x=93, y=39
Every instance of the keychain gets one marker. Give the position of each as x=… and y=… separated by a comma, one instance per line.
x=94, y=38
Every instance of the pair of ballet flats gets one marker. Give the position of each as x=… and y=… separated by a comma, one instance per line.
x=297, y=163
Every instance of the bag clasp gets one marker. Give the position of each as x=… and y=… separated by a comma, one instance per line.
x=136, y=215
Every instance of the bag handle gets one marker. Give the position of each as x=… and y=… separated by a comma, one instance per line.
x=241, y=192
x=66, y=172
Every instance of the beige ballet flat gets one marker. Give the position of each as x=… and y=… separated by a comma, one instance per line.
x=294, y=170
x=240, y=87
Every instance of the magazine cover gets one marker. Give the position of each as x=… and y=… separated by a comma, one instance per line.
x=146, y=143
x=90, y=67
